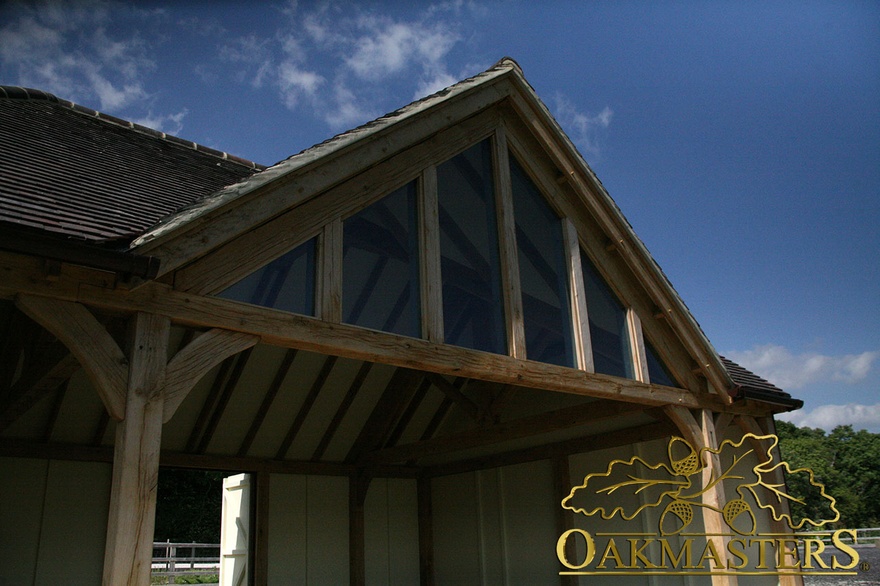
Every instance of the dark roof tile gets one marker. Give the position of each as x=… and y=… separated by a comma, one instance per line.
x=70, y=170
x=752, y=386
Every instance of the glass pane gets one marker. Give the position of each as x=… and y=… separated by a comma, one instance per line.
x=473, y=309
x=286, y=283
x=542, y=273
x=609, y=333
x=380, y=269
x=657, y=371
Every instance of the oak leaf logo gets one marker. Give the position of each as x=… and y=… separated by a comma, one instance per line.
x=628, y=487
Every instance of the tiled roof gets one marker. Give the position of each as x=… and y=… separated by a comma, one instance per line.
x=752, y=386
x=76, y=172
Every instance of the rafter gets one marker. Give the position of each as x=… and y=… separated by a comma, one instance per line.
x=266, y=404
x=347, y=400
x=385, y=414
x=306, y=406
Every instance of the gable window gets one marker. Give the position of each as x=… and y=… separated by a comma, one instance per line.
x=609, y=330
x=380, y=268
x=473, y=314
x=542, y=272
x=287, y=283
x=657, y=371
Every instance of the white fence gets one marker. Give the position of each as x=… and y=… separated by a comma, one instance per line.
x=864, y=536
x=181, y=559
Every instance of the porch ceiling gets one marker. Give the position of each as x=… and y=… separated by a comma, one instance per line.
x=295, y=409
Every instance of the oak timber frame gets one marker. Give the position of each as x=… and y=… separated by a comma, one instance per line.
x=141, y=382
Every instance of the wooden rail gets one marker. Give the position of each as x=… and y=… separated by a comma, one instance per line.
x=180, y=559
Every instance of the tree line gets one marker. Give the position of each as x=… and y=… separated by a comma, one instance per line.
x=845, y=461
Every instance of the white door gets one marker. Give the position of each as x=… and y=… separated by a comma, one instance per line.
x=235, y=530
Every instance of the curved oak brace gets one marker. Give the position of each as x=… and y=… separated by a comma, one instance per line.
x=194, y=361
x=94, y=348
x=686, y=424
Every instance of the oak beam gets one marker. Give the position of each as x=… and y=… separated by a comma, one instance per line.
x=578, y=298
x=308, y=333
x=94, y=348
x=430, y=283
x=507, y=247
x=714, y=497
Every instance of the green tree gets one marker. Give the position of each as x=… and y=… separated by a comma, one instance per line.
x=847, y=462
x=189, y=505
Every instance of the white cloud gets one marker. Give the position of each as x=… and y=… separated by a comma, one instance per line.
x=793, y=371
x=339, y=60
x=295, y=83
x=80, y=51
x=167, y=123
x=386, y=47
x=434, y=84
x=828, y=417
x=582, y=128
x=345, y=109
x=67, y=50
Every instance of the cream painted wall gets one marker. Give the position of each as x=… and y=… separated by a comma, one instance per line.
x=53, y=518
x=308, y=531
x=391, y=532
x=496, y=526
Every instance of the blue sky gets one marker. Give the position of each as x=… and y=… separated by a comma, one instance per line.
x=740, y=139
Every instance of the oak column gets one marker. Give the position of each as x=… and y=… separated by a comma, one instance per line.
x=129, y=550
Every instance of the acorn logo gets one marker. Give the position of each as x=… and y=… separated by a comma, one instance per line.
x=678, y=484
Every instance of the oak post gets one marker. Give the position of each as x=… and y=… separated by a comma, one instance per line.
x=751, y=425
x=701, y=434
x=714, y=497
x=128, y=553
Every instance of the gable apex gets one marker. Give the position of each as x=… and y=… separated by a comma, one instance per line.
x=332, y=147
x=470, y=110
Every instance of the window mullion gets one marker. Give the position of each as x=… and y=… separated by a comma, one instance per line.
x=429, y=245
x=578, y=297
x=637, y=344
x=328, y=287
x=513, y=309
